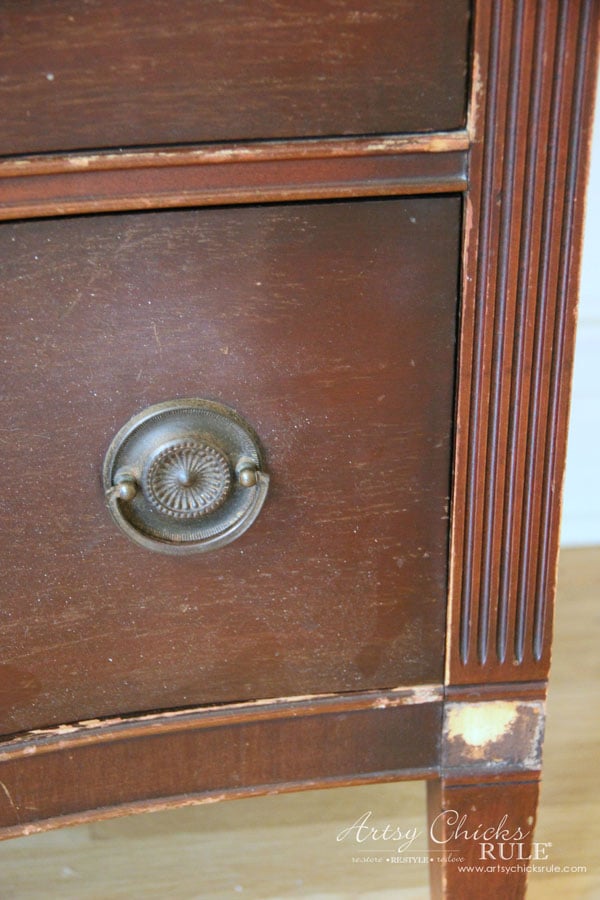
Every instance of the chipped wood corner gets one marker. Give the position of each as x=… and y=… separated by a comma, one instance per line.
x=493, y=736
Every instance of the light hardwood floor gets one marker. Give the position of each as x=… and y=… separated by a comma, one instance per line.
x=285, y=846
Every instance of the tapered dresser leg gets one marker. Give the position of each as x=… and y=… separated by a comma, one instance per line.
x=481, y=837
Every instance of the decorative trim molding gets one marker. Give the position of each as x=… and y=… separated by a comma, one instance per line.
x=248, y=151
x=522, y=233
x=158, y=761
x=273, y=171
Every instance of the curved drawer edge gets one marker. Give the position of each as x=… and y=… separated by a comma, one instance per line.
x=100, y=769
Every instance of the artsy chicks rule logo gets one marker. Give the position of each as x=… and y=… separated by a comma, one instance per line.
x=449, y=830
x=362, y=831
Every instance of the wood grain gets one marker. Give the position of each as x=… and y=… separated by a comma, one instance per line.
x=523, y=224
x=285, y=846
x=331, y=329
x=208, y=176
x=151, y=73
x=101, y=769
x=331, y=326
x=448, y=803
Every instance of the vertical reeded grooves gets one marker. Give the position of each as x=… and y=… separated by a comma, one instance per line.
x=478, y=343
x=508, y=549
x=543, y=312
x=519, y=291
x=499, y=330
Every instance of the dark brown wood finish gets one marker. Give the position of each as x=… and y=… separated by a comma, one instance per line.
x=212, y=175
x=102, y=769
x=331, y=326
x=482, y=837
x=153, y=72
x=341, y=583
x=532, y=110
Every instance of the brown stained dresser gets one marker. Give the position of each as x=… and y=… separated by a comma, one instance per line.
x=288, y=296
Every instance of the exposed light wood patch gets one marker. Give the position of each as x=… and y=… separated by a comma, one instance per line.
x=493, y=735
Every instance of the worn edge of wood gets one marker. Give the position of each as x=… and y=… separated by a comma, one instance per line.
x=178, y=759
x=469, y=777
x=493, y=736
x=257, y=151
x=515, y=690
x=212, y=182
x=124, y=727
x=529, y=121
x=203, y=799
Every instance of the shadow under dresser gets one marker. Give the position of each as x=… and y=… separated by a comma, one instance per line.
x=287, y=332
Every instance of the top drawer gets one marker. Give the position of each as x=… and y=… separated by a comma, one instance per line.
x=99, y=74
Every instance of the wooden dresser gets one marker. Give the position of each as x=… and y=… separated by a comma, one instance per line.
x=288, y=318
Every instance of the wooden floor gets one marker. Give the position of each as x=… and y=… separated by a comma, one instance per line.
x=279, y=847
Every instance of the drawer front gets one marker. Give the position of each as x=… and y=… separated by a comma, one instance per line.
x=95, y=74
x=331, y=328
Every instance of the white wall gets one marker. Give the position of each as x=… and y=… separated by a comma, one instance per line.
x=581, y=502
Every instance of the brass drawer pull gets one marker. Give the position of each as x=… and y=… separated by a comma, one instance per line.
x=185, y=476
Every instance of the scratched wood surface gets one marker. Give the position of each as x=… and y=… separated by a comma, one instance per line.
x=95, y=74
x=286, y=846
x=331, y=328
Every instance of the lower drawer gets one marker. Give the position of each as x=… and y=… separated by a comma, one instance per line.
x=331, y=328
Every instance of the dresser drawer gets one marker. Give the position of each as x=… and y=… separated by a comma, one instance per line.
x=331, y=328
x=91, y=75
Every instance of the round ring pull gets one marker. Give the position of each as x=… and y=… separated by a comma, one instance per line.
x=185, y=476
